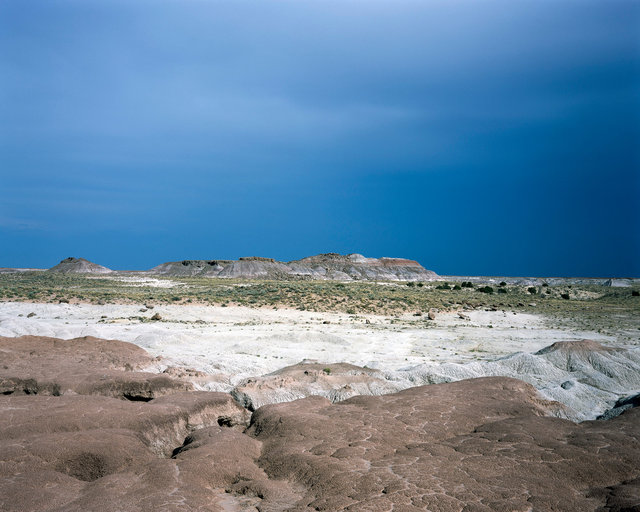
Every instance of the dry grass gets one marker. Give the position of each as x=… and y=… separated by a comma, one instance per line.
x=586, y=302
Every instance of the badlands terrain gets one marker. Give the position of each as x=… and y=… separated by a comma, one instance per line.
x=329, y=383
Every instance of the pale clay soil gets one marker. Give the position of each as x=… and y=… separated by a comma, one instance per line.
x=233, y=343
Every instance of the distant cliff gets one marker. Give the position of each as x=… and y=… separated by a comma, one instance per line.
x=329, y=266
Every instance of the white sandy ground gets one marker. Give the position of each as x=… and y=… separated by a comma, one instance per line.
x=148, y=282
x=238, y=342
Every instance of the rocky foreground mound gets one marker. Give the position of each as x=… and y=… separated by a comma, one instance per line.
x=476, y=445
x=37, y=365
x=585, y=376
x=324, y=266
x=337, y=382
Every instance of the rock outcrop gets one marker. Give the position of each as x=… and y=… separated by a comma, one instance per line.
x=329, y=266
x=336, y=382
x=624, y=404
x=584, y=375
x=79, y=266
x=189, y=268
x=550, y=281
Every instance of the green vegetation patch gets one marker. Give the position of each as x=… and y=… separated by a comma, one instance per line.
x=358, y=297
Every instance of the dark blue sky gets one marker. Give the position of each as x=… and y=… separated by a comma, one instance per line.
x=476, y=137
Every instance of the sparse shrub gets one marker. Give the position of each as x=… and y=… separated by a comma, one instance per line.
x=443, y=286
x=635, y=293
x=327, y=371
x=457, y=287
x=410, y=283
x=503, y=283
x=565, y=296
x=420, y=285
x=502, y=290
x=532, y=290
x=467, y=284
x=486, y=289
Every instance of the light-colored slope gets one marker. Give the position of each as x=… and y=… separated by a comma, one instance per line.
x=79, y=266
x=235, y=344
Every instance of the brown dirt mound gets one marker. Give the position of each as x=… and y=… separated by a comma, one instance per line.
x=88, y=366
x=477, y=445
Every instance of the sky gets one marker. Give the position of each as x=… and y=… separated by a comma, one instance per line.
x=478, y=138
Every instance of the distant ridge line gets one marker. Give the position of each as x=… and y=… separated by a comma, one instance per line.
x=328, y=266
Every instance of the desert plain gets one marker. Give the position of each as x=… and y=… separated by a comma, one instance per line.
x=175, y=390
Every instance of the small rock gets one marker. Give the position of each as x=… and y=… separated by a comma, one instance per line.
x=567, y=384
x=464, y=317
x=532, y=304
x=30, y=315
x=431, y=315
x=156, y=317
x=143, y=310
